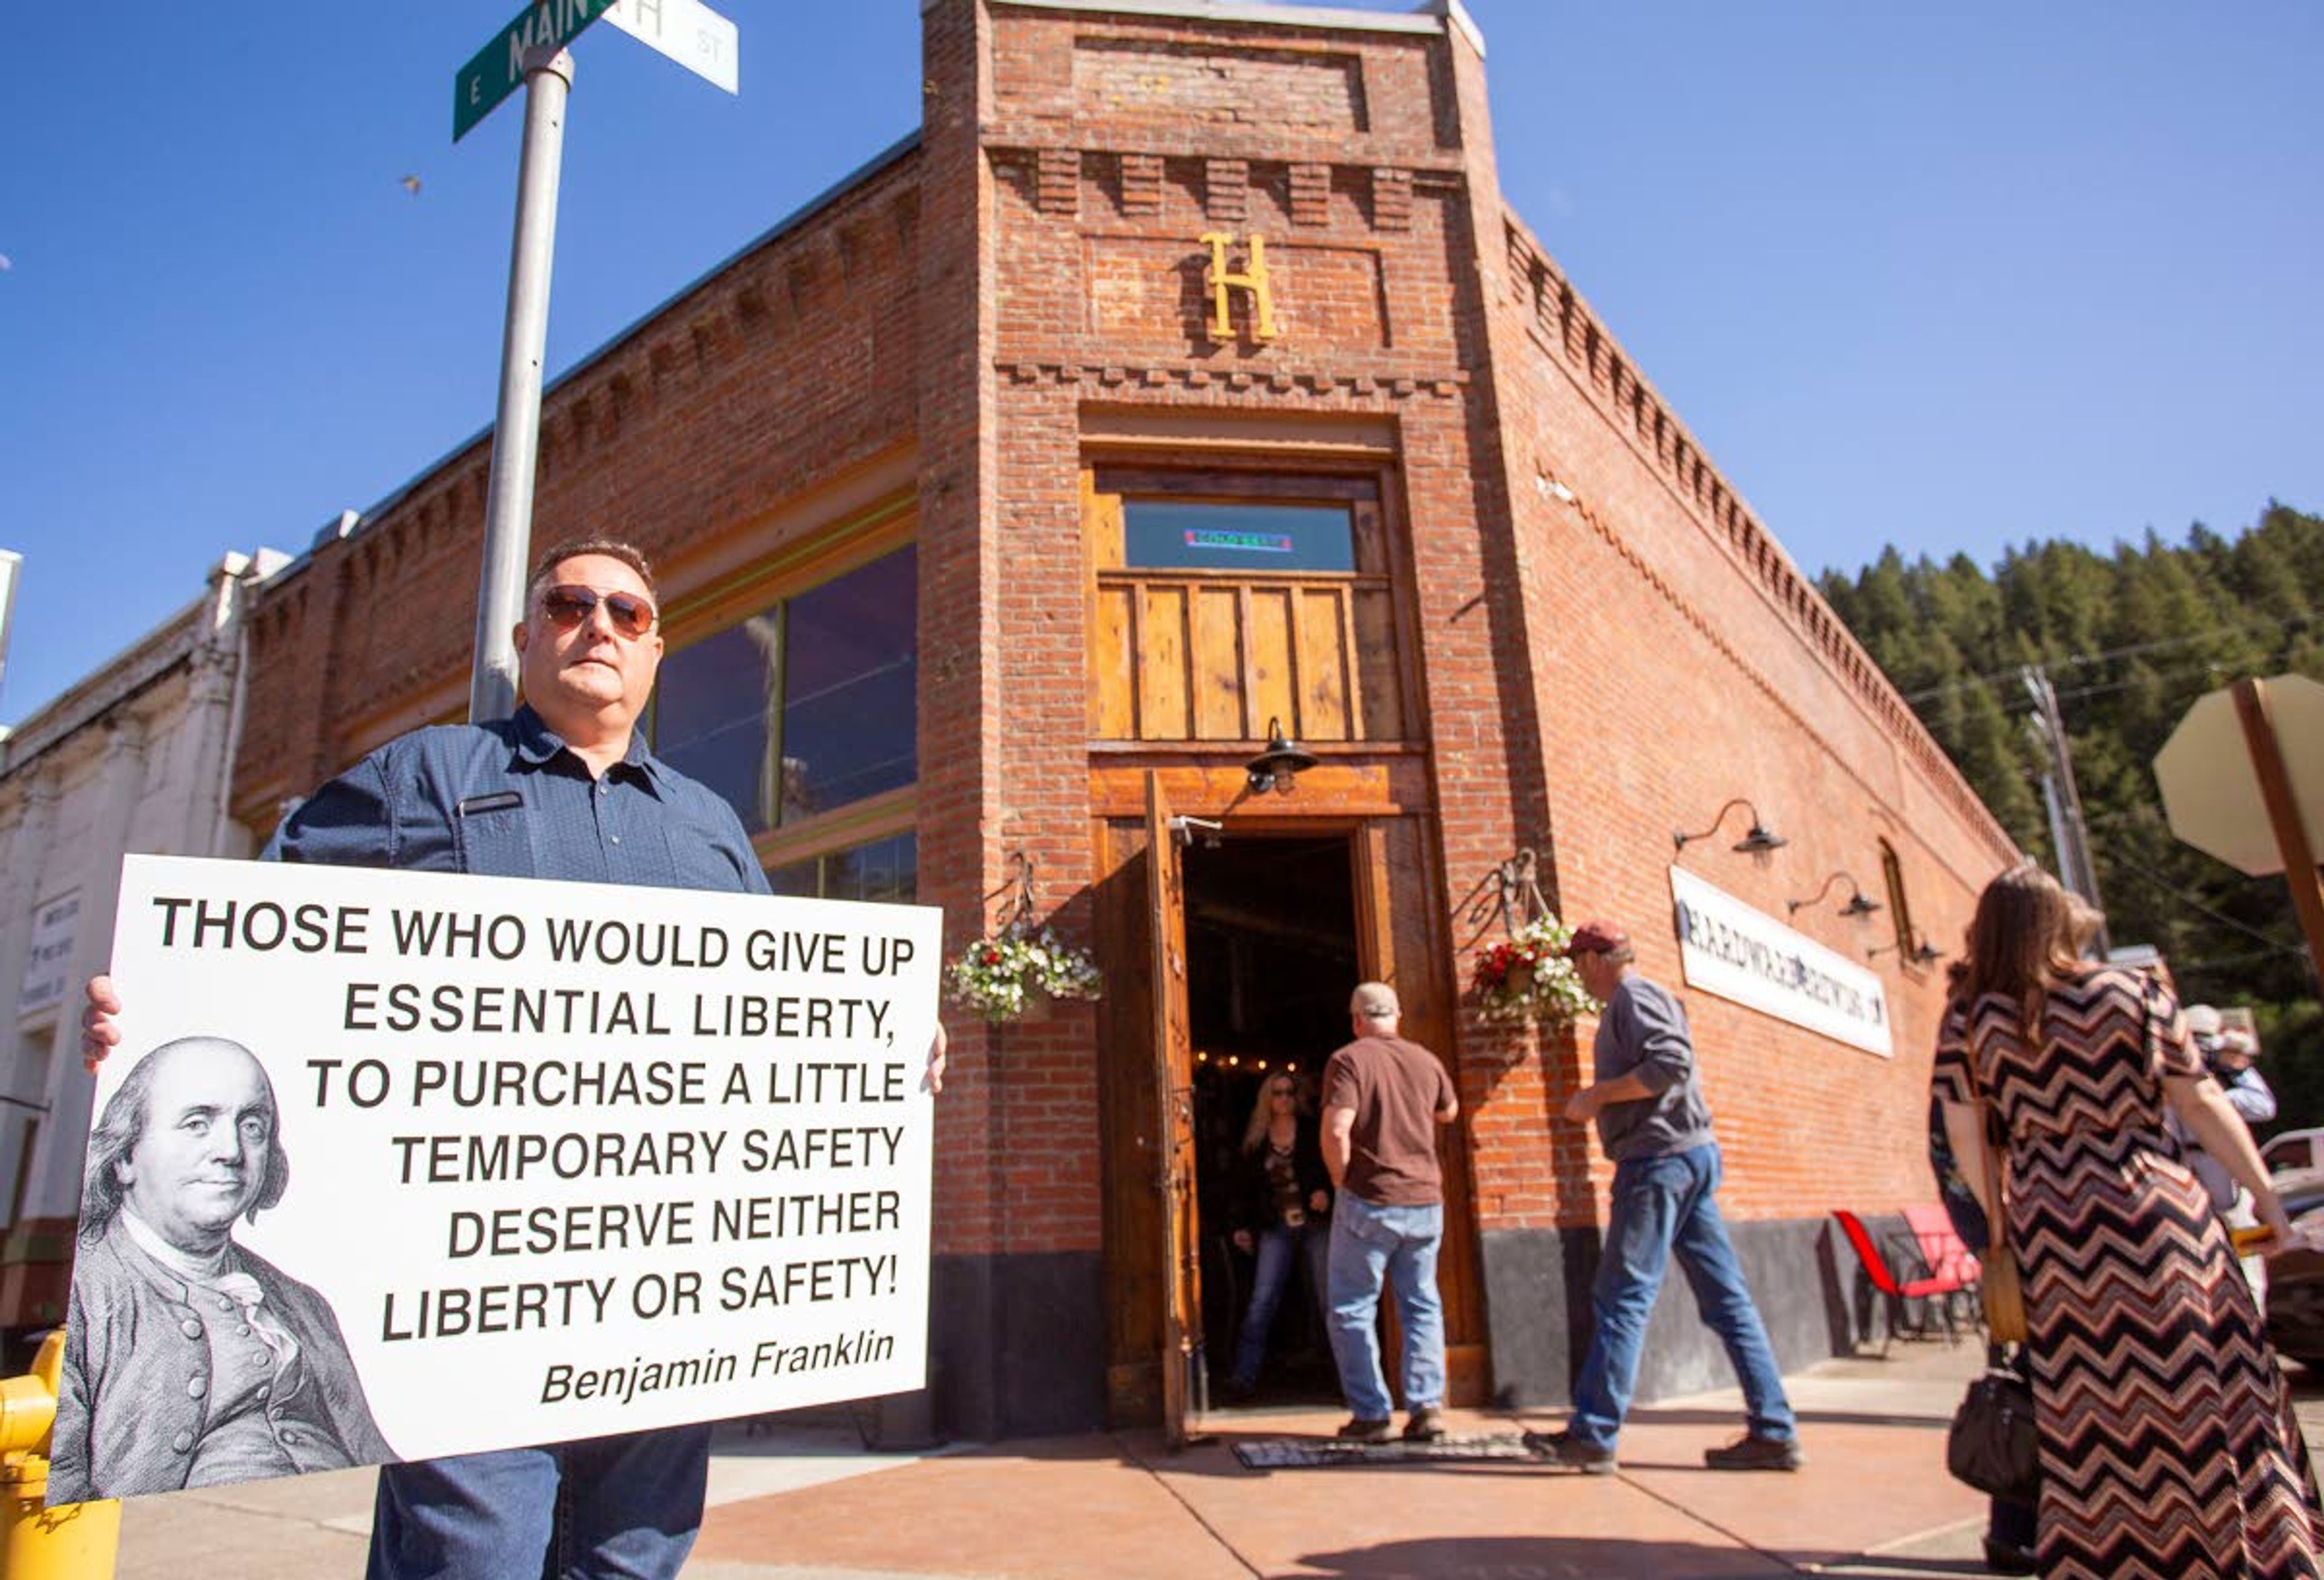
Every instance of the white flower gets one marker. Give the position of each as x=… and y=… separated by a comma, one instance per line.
x=992, y=974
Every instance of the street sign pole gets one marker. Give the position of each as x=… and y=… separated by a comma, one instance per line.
x=533, y=48
x=2283, y=815
x=516, y=424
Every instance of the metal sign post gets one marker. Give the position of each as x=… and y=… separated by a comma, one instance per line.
x=2284, y=814
x=532, y=50
x=516, y=422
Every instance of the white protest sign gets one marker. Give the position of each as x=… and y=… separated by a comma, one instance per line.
x=563, y=1160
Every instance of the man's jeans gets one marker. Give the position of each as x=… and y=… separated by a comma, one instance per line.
x=1663, y=1205
x=1369, y=1242
x=619, y=1508
x=1270, y=1275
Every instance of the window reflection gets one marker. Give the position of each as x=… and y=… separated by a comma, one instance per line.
x=885, y=871
x=850, y=691
x=805, y=706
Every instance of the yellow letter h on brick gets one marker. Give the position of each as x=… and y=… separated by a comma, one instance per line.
x=1252, y=279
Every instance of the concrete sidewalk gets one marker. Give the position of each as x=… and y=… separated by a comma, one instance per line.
x=808, y=1504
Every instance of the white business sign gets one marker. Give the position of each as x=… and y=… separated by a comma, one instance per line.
x=56, y=926
x=466, y=1163
x=1728, y=949
x=686, y=31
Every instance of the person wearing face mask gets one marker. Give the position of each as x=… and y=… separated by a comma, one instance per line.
x=191, y=1360
x=1283, y=1196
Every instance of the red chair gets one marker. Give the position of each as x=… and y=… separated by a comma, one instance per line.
x=1941, y=1249
x=1901, y=1273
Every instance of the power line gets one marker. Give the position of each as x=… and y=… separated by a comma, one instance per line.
x=2131, y=651
x=2275, y=945
x=2162, y=676
x=2184, y=968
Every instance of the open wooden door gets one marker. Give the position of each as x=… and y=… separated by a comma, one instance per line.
x=1174, y=1077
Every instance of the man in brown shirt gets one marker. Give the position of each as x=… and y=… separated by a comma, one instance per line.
x=1383, y=1099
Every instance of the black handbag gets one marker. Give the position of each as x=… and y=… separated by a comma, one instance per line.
x=1991, y=1444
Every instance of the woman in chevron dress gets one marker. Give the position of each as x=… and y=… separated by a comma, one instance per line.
x=2167, y=1445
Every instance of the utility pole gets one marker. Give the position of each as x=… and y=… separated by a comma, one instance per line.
x=2069, y=833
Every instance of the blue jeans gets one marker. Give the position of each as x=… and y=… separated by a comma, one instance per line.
x=1277, y=1248
x=620, y=1508
x=1663, y=1205
x=1399, y=1243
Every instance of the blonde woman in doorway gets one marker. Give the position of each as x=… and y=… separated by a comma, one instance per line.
x=1283, y=1195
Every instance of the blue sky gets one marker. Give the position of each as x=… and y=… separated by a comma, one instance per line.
x=1953, y=277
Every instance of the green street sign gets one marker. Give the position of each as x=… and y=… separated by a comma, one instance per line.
x=497, y=70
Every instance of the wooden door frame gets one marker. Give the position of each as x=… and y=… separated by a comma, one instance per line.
x=1398, y=937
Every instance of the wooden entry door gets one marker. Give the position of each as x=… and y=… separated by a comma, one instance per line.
x=1154, y=1329
x=1174, y=1095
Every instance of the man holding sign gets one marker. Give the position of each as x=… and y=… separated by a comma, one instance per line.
x=565, y=790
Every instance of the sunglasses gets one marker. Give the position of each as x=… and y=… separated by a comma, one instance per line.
x=569, y=605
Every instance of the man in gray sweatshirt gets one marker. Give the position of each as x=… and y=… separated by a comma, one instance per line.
x=1653, y=1123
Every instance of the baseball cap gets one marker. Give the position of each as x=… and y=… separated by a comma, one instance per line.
x=1376, y=1000
x=2203, y=1021
x=1597, y=936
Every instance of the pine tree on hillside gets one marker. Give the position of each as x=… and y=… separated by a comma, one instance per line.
x=2129, y=640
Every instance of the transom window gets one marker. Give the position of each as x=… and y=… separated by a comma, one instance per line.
x=1246, y=536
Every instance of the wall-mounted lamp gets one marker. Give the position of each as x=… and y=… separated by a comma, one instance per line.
x=1858, y=906
x=1922, y=953
x=1761, y=841
x=1280, y=764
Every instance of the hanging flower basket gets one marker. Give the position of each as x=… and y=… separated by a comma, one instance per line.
x=1526, y=976
x=997, y=976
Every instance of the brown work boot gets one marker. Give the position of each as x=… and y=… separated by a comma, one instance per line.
x=1357, y=1429
x=1572, y=1452
x=1426, y=1425
x=1757, y=1454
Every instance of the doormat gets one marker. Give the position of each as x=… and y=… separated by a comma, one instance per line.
x=1300, y=1453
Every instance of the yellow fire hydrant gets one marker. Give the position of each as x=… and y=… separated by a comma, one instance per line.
x=76, y=1543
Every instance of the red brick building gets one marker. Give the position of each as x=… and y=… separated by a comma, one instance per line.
x=1186, y=374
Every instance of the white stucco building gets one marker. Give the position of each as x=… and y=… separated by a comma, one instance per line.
x=133, y=758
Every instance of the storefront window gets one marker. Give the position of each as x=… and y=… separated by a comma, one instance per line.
x=809, y=705
x=886, y=870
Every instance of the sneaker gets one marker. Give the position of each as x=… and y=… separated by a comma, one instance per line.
x=1426, y=1425
x=1572, y=1452
x=1357, y=1429
x=1757, y=1454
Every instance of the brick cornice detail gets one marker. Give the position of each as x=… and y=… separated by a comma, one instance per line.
x=1117, y=377
x=1057, y=180
x=1572, y=337
x=1226, y=181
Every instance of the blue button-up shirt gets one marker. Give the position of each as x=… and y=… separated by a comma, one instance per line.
x=510, y=799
